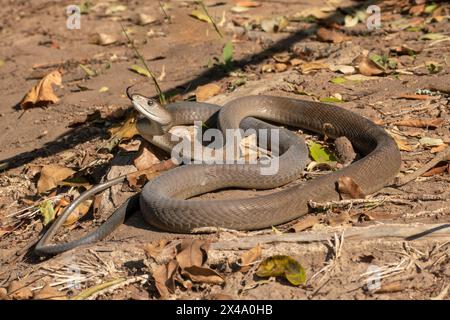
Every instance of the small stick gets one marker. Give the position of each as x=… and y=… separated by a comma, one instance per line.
x=442, y=156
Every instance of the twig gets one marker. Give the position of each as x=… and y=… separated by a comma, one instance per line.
x=162, y=98
x=443, y=293
x=442, y=156
x=210, y=18
x=382, y=231
x=400, y=199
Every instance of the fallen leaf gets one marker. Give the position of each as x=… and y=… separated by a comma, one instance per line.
x=42, y=94
x=438, y=148
x=402, y=144
x=343, y=69
x=78, y=213
x=281, y=265
x=103, y=39
x=248, y=4
x=274, y=25
x=207, y=91
x=140, y=70
x=430, y=142
x=347, y=186
x=4, y=294
x=330, y=35
x=340, y=219
x=250, y=256
x=154, y=249
x=201, y=15
x=431, y=123
x=436, y=170
x=103, y=89
x=305, y=223
x=320, y=154
x=140, y=177
x=145, y=159
x=369, y=68
x=47, y=212
x=307, y=67
x=192, y=253
x=19, y=291
x=49, y=293
x=432, y=36
x=202, y=275
x=145, y=19
x=338, y=80
x=280, y=67
x=51, y=175
x=164, y=278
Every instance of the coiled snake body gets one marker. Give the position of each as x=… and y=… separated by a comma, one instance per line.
x=163, y=200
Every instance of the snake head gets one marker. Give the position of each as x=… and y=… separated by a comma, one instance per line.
x=151, y=109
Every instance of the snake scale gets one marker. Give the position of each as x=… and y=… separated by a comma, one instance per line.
x=165, y=201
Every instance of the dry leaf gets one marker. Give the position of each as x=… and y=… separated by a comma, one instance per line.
x=207, y=91
x=421, y=123
x=145, y=19
x=51, y=175
x=192, y=253
x=305, y=223
x=431, y=142
x=436, y=170
x=49, y=293
x=103, y=39
x=4, y=294
x=369, y=68
x=140, y=177
x=202, y=275
x=343, y=69
x=19, y=291
x=330, y=35
x=402, y=144
x=154, y=249
x=280, y=67
x=346, y=185
x=307, y=67
x=164, y=278
x=42, y=94
x=340, y=219
x=249, y=257
x=248, y=4
x=78, y=213
x=438, y=148
x=145, y=159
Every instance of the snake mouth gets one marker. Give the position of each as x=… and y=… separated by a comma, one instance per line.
x=151, y=109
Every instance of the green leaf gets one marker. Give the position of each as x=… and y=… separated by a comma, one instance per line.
x=87, y=70
x=330, y=100
x=281, y=265
x=430, y=8
x=338, y=80
x=140, y=70
x=47, y=211
x=320, y=154
x=227, y=53
x=432, y=36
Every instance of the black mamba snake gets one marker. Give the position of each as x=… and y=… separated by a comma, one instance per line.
x=164, y=201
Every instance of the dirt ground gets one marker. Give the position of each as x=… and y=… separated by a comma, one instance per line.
x=184, y=53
